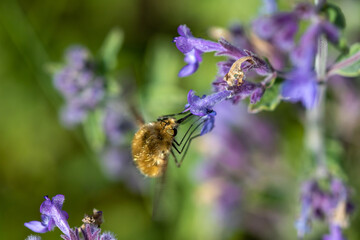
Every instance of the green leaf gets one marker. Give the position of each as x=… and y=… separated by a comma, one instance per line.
x=349, y=64
x=334, y=15
x=110, y=49
x=93, y=129
x=269, y=100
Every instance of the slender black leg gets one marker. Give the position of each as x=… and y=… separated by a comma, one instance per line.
x=170, y=115
x=175, y=159
x=187, y=148
x=174, y=146
x=179, y=144
x=187, y=144
x=190, y=136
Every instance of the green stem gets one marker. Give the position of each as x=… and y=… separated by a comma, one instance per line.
x=315, y=117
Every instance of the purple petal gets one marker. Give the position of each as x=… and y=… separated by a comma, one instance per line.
x=264, y=27
x=58, y=200
x=36, y=226
x=301, y=85
x=246, y=89
x=279, y=29
x=203, y=106
x=304, y=54
x=257, y=94
x=193, y=58
x=331, y=32
x=107, y=236
x=209, y=124
x=335, y=233
x=230, y=50
x=183, y=30
x=77, y=56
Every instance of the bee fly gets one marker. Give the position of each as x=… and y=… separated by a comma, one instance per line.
x=155, y=141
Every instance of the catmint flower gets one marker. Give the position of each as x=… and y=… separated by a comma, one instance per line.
x=239, y=92
x=89, y=232
x=280, y=28
x=335, y=233
x=301, y=85
x=80, y=85
x=193, y=48
x=331, y=205
x=52, y=216
x=203, y=107
x=301, y=82
x=303, y=56
x=117, y=124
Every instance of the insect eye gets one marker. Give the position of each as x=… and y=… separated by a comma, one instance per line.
x=172, y=132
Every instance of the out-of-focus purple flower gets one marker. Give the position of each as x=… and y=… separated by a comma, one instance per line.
x=117, y=124
x=303, y=56
x=301, y=82
x=228, y=202
x=280, y=28
x=301, y=85
x=82, y=89
x=77, y=56
x=332, y=205
x=335, y=233
x=193, y=48
x=269, y=7
x=52, y=216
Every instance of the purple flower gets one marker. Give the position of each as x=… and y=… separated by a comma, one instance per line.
x=335, y=233
x=117, y=124
x=301, y=85
x=82, y=89
x=247, y=89
x=77, y=56
x=193, y=48
x=303, y=56
x=90, y=232
x=331, y=205
x=52, y=216
x=280, y=28
x=204, y=105
x=228, y=201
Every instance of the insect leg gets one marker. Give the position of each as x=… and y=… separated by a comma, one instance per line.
x=176, y=148
x=192, y=132
x=188, y=145
x=175, y=159
x=179, y=144
x=170, y=115
x=187, y=142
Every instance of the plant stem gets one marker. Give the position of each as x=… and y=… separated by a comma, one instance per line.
x=315, y=116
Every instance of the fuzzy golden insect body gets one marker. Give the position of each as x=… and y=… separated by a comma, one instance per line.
x=152, y=145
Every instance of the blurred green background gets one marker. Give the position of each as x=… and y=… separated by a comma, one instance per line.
x=40, y=157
